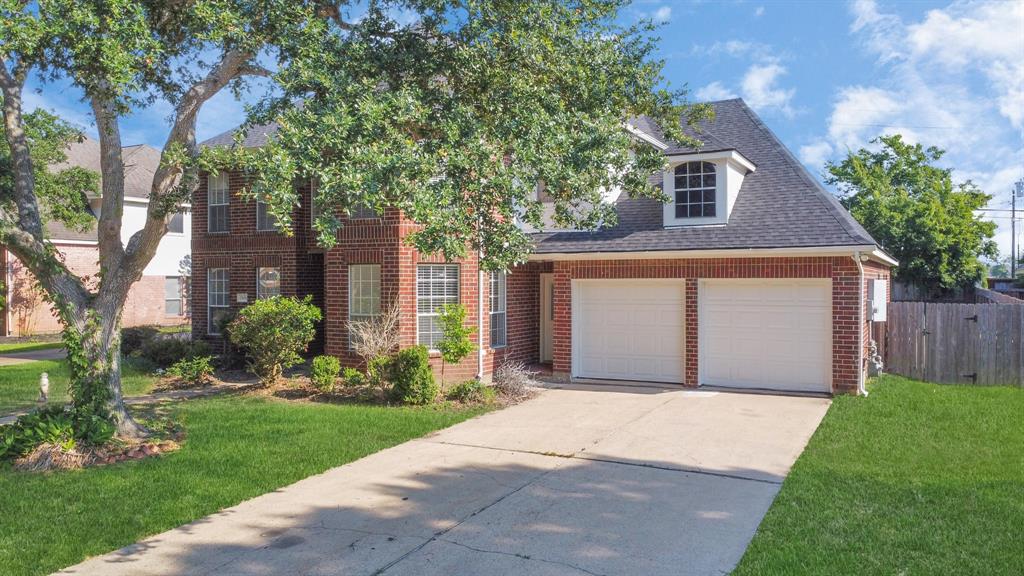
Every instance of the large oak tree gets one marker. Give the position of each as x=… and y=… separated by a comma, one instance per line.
x=451, y=110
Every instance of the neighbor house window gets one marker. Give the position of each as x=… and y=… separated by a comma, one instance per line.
x=217, y=302
x=695, y=186
x=172, y=296
x=363, y=295
x=268, y=282
x=217, y=203
x=264, y=219
x=498, y=303
x=176, y=225
x=436, y=285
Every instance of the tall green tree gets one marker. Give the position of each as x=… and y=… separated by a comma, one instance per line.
x=450, y=110
x=916, y=212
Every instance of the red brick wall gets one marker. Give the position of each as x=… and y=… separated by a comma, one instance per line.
x=30, y=314
x=244, y=249
x=841, y=270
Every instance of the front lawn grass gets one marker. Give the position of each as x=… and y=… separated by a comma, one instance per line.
x=10, y=347
x=236, y=448
x=916, y=478
x=19, y=384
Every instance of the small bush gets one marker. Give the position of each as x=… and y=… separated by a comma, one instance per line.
x=273, y=332
x=352, y=377
x=378, y=374
x=164, y=352
x=54, y=425
x=513, y=381
x=134, y=338
x=324, y=372
x=468, y=391
x=193, y=370
x=455, y=343
x=411, y=378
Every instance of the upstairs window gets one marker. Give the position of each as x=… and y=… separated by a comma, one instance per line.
x=176, y=225
x=217, y=203
x=363, y=212
x=265, y=221
x=695, y=186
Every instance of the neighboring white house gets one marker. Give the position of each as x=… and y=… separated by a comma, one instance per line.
x=158, y=298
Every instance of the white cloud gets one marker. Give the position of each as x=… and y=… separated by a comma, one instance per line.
x=662, y=14
x=815, y=154
x=759, y=11
x=714, y=91
x=954, y=79
x=761, y=91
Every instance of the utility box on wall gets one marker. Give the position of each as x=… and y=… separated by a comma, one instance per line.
x=878, y=300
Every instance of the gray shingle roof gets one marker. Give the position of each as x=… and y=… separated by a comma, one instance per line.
x=780, y=205
x=256, y=136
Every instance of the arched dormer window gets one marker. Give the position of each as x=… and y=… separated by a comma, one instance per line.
x=695, y=185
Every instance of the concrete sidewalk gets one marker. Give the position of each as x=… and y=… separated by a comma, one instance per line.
x=581, y=480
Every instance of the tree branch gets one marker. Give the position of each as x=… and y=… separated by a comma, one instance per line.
x=112, y=184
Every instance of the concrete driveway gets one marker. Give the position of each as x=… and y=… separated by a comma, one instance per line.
x=581, y=480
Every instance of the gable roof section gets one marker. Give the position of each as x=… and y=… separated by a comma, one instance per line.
x=780, y=205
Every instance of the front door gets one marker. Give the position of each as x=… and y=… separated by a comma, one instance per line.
x=547, y=315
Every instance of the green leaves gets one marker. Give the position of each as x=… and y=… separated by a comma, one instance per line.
x=273, y=332
x=914, y=210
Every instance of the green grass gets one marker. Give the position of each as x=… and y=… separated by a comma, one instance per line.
x=916, y=478
x=237, y=448
x=8, y=347
x=19, y=384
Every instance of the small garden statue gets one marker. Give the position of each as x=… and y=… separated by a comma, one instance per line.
x=874, y=359
x=44, y=388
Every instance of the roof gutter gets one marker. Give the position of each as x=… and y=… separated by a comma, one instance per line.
x=870, y=250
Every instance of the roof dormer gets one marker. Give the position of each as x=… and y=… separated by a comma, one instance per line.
x=702, y=187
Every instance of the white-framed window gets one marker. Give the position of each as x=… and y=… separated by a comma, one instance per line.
x=265, y=221
x=498, y=307
x=268, y=282
x=176, y=225
x=695, y=186
x=217, y=200
x=436, y=285
x=173, y=296
x=362, y=212
x=217, y=302
x=363, y=295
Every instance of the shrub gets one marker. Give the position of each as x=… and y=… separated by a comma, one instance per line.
x=468, y=391
x=324, y=372
x=193, y=370
x=455, y=343
x=53, y=425
x=411, y=378
x=134, y=338
x=163, y=352
x=513, y=381
x=352, y=377
x=273, y=332
x=378, y=374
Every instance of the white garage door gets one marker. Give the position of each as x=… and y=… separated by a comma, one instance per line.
x=774, y=334
x=629, y=329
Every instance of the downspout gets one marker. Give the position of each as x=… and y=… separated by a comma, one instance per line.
x=861, y=388
x=479, y=317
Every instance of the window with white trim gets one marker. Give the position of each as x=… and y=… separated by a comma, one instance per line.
x=363, y=295
x=176, y=225
x=265, y=221
x=268, y=282
x=172, y=296
x=217, y=201
x=498, y=306
x=695, y=186
x=436, y=285
x=217, y=303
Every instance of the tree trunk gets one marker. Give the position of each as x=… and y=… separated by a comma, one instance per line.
x=95, y=364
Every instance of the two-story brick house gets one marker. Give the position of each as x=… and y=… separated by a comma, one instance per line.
x=752, y=276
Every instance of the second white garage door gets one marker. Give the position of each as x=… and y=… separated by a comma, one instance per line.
x=629, y=329
x=773, y=334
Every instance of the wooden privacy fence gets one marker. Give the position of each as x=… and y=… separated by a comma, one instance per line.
x=956, y=343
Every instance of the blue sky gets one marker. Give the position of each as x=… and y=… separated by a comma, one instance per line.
x=825, y=76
